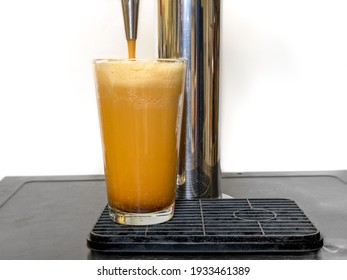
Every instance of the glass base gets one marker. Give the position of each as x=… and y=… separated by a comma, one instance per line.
x=141, y=219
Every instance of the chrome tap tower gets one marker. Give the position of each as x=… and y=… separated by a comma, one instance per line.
x=191, y=29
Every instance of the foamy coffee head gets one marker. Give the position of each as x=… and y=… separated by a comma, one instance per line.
x=168, y=72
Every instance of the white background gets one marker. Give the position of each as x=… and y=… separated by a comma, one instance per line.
x=283, y=83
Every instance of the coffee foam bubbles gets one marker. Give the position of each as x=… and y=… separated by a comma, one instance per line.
x=140, y=73
x=143, y=83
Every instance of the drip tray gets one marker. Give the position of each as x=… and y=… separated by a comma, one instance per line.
x=214, y=226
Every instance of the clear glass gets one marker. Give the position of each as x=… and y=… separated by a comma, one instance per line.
x=140, y=103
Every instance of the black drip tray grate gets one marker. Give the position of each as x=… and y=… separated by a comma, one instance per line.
x=214, y=225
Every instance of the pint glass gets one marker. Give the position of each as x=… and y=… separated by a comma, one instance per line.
x=140, y=105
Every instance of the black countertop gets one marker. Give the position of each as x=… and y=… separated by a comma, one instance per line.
x=49, y=217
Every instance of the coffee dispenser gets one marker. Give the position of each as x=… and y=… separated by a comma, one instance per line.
x=191, y=29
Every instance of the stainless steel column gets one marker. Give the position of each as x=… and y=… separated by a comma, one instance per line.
x=191, y=29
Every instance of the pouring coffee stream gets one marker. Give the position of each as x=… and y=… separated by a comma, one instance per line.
x=132, y=48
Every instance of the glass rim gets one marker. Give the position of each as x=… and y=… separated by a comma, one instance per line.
x=127, y=60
